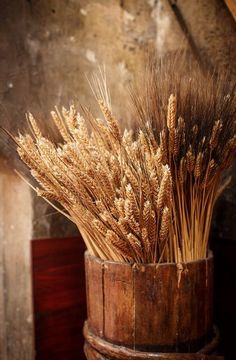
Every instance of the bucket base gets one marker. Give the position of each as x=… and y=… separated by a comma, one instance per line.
x=96, y=348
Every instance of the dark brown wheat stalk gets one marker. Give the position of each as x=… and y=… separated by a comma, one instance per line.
x=191, y=116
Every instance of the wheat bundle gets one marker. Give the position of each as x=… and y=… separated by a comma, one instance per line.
x=191, y=116
x=145, y=196
x=112, y=186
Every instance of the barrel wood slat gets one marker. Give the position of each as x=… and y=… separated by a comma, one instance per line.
x=94, y=272
x=209, y=295
x=118, y=304
x=149, y=311
x=149, y=294
x=193, y=285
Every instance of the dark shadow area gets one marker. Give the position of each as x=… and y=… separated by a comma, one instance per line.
x=225, y=294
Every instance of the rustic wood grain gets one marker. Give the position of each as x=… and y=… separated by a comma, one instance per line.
x=118, y=303
x=152, y=308
x=92, y=354
x=184, y=309
x=209, y=293
x=59, y=298
x=100, y=349
x=155, y=307
x=95, y=296
x=16, y=326
x=198, y=307
x=199, y=286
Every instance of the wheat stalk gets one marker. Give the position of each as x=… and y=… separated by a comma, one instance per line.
x=146, y=195
x=113, y=186
x=197, y=148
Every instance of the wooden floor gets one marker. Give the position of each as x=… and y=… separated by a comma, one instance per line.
x=60, y=305
x=59, y=298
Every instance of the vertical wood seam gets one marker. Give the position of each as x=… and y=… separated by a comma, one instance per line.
x=87, y=286
x=178, y=308
x=103, y=299
x=206, y=297
x=134, y=309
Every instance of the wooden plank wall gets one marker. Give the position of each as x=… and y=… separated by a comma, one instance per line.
x=59, y=298
x=16, y=326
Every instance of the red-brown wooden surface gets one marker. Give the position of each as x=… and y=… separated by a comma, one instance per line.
x=95, y=296
x=143, y=307
x=118, y=303
x=59, y=298
x=58, y=333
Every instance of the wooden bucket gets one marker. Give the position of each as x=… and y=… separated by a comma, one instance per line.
x=149, y=311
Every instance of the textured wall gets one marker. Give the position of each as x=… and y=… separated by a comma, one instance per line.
x=47, y=47
x=16, y=322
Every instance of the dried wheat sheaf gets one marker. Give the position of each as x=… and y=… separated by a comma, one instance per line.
x=145, y=195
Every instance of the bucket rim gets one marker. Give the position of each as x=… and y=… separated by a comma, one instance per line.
x=154, y=265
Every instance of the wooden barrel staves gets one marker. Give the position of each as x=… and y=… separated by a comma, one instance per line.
x=156, y=311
